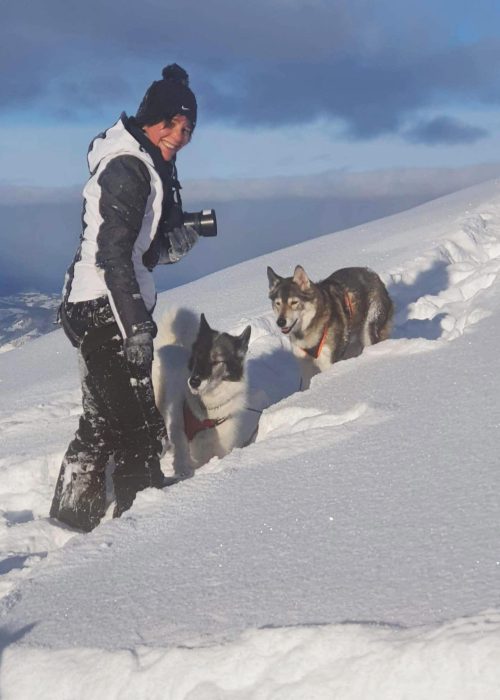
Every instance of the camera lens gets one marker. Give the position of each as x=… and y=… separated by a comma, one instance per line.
x=204, y=222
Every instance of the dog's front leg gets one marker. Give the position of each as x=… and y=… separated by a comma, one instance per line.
x=307, y=370
x=182, y=462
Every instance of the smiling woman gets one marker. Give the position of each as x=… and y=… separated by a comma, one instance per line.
x=170, y=136
x=132, y=220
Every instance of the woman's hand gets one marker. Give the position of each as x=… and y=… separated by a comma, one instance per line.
x=182, y=239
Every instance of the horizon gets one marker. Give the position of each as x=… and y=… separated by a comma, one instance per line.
x=255, y=217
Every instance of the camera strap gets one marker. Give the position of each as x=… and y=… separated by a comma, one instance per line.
x=176, y=187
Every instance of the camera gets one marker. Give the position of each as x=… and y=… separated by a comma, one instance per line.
x=204, y=222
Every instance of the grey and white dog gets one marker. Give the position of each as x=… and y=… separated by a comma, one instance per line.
x=207, y=416
x=333, y=319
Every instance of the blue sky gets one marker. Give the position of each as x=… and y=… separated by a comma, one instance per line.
x=285, y=87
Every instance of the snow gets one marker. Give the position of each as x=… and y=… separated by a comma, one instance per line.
x=350, y=553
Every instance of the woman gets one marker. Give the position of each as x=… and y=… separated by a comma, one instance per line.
x=132, y=220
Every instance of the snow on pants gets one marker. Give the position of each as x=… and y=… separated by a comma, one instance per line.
x=119, y=420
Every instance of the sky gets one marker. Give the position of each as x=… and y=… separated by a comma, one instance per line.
x=350, y=552
x=285, y=87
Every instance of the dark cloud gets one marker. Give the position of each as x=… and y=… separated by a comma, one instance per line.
x=269, y=62
x=445, y=130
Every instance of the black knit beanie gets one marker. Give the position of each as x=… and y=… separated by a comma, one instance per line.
x=167, y=97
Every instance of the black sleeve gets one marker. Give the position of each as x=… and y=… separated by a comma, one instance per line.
x=125, y=186
x=158, y=252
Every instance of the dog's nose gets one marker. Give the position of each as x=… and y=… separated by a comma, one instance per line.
x=195, y=380
x=281, y=321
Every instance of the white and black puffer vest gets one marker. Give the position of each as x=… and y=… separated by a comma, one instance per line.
x=122, y=208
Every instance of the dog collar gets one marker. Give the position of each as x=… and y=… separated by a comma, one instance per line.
x=193, y=425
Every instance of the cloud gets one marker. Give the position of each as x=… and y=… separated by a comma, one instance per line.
x=445, y=130
x=21, y=194
x=423, y=183
x=420, y=183
x=265, y=63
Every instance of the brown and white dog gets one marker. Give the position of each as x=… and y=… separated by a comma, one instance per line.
x=333, y=319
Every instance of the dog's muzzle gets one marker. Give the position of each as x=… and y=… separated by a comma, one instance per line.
x=282, y=324
x=194, y=381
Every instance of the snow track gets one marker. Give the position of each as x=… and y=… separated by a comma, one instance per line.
x=456, y=272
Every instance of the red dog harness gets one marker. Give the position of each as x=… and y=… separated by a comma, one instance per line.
x=316, y=351
x=193, y=425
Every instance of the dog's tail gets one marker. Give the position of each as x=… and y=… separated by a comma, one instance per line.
x=177, y=326
x=177, y=330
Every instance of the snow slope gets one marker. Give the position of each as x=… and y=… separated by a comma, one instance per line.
x=351, y=552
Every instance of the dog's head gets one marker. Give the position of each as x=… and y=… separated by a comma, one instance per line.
x=216, y=358
x=293, y=300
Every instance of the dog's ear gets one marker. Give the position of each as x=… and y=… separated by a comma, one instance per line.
x=273, y=278
x=204, y=327
x=243, y=339
x=301, y=279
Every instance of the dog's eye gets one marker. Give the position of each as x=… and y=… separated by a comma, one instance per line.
x=218, y=362
x=277, y=302
x=294, y=303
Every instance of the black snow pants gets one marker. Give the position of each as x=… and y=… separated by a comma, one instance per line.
x=120, y=420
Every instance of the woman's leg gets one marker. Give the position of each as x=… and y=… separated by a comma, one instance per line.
x=120, y=417
x=138, y=429
x=80, y=493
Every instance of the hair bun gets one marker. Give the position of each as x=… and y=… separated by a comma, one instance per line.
x=176, y=74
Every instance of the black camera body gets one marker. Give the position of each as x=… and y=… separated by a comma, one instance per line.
x=204, y=222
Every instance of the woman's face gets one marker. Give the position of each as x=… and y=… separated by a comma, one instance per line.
x=170, y=136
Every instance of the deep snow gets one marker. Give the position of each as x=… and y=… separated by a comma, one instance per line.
x=351, y=552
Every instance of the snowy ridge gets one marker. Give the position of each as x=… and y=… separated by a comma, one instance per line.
x=351, y=552
x=26, y=316
x=317, y=663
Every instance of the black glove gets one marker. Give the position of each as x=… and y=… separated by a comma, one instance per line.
x=139, y=349
x=182, y=239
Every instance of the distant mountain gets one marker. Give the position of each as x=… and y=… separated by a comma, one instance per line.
x=26, y=316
